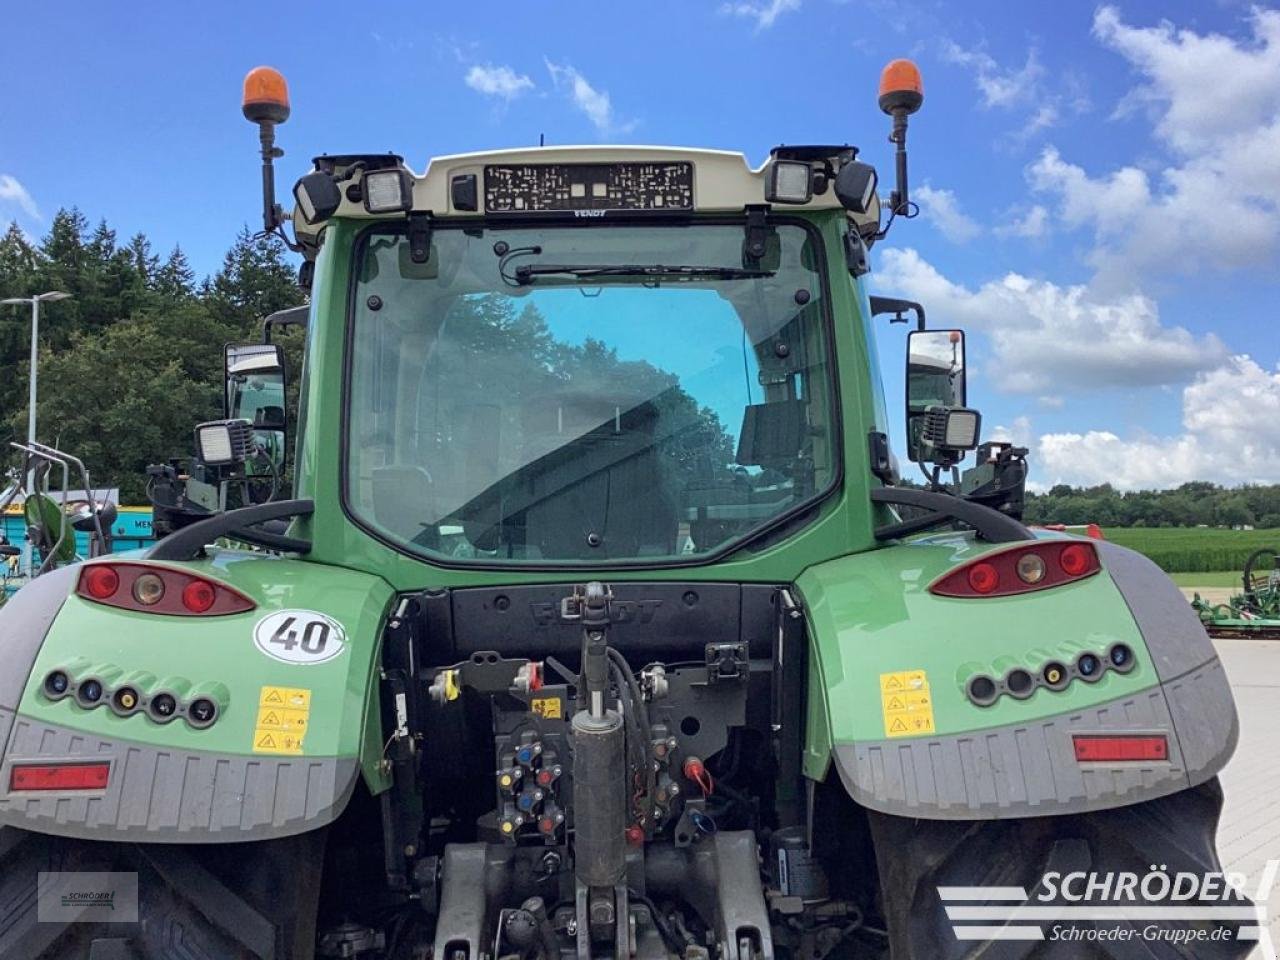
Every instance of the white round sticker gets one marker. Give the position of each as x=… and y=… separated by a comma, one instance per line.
x=299, y=636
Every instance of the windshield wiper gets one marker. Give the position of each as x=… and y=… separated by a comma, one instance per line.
x=529, y=272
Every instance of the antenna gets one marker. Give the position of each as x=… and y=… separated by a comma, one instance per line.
x=542, y=139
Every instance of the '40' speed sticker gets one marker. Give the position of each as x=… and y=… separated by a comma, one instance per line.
x=299, y=636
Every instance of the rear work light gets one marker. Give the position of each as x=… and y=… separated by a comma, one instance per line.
x=153, y=589
x=59, y=776
x=1021, y=569
x=1121, y=749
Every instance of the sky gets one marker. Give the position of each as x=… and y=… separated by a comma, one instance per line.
x=1099, y=186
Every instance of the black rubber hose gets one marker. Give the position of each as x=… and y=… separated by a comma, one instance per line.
x=633, y=685
x=641, y=711
x=637, y=756
x=674, y=943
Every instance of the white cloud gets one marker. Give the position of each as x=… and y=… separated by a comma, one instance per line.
x=11, y=191
x=1018, y=433
x=1027, y=89
x=1049, y=338
x=1231, y=434
x=500, y=81
x=1216, y=108
x=764, y=13
x=592, y=102
x=1201, y=88
x=941, y=209
x=1032, y=224
x=999, y=86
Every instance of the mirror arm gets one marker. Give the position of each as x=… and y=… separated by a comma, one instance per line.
x=291, y=317
x=897, y=306
x=991, y=525
x=189, y=542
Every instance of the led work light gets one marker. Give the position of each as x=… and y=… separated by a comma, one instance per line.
x=789, y=181
x=387, y=191
x=224, y=442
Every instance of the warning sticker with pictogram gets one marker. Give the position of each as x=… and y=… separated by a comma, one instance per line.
x=546, y=707
x=906, y=703
x=281, y=724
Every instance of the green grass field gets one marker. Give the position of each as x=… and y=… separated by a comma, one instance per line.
x=1213, y=578
x=1208, y=552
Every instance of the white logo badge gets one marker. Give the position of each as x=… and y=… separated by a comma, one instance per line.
x=299, y=636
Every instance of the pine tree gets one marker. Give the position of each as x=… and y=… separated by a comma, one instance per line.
x=102, y=244
x=253, y=282
x=144, y=262
x=174, y=280
x=19, y=261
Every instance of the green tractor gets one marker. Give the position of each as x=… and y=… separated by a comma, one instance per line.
x=601, y=624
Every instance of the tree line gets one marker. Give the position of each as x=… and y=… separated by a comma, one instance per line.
x=1192, y=504
x=133, y=360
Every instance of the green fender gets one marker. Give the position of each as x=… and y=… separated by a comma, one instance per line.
x=889, y=664
x=291, y=738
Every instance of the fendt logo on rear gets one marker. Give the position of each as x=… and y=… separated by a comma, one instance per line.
x=589, y=213
x=547, y=612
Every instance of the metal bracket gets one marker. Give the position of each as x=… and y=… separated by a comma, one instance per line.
x=727, y=661
x=420, y=237
x=756, y=243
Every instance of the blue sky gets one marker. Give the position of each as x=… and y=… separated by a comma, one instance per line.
x=1098, y=184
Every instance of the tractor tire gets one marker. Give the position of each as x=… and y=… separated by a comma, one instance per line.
x=232, y=901
x=916, y=857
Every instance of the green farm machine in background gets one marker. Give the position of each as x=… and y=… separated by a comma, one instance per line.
x=600, y=623
x=1255, y=611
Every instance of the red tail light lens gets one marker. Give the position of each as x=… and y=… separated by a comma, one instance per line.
x=1075, y=559
x=150, y=588
x=100, y=581
x=1122, y=749
x=59, y=776
x=199, y=595
x=1021, y=569
x=983, y=578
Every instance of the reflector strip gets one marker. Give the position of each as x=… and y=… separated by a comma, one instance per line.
x=59, y=776
x=1121, y=749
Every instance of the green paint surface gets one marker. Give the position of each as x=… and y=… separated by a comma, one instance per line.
x=206, y=650
x=871, y=614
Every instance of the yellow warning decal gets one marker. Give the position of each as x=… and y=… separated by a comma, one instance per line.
x=283, y=716
x=906, y=703
x=273, y=741
x=546, y=707
x=291, y=697
x=293, y=721
x=903, y=681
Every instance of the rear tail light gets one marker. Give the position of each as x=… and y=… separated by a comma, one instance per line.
x=155, y=589
x=1020, y=569
x=983, y=578
x=59, y=776
x=100, y=582
x=1120, y=749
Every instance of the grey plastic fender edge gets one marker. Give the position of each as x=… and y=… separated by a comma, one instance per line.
x=1023, y=770
x=24, y=622
x=163, y=795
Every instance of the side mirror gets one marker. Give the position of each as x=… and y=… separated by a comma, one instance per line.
x=940, y=427
x=255, y=391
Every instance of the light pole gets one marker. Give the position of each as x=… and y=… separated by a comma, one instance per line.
x=49, y=297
